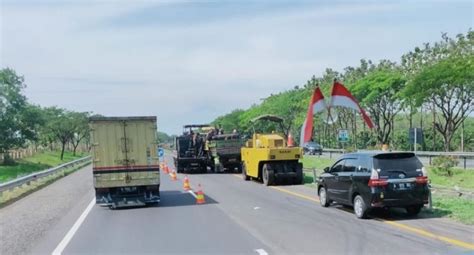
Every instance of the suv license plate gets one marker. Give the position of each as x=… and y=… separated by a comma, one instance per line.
x=402, y=186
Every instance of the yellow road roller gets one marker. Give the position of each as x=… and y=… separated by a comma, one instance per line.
x=267, y=158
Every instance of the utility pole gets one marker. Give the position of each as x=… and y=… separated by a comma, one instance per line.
x=462, y=136
x=415, y=140
x=434, y=128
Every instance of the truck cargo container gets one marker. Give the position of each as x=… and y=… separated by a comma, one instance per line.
x=125, y=161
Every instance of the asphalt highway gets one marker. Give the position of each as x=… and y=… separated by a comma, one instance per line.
x=241, y=217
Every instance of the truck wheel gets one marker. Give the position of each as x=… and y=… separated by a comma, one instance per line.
x=299, y=174
x=267, y=175
x=244, y=172
x=219, y=168
x=237, y=169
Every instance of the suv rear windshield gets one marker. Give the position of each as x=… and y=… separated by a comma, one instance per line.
x=399, y=162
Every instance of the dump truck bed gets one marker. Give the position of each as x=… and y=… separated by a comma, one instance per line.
x=223, y=148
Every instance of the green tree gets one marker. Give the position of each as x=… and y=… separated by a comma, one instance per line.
x=230, y=121
x=81, y=130
x=17, y=119
x=379, y=92
x=449, y=86
x=62, y=126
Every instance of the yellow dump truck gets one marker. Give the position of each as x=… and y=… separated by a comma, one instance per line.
x=125, y=161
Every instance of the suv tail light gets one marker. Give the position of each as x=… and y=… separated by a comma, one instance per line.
x=375, y=181
x=424, y=178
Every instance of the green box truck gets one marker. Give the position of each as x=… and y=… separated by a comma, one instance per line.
x=125, y=161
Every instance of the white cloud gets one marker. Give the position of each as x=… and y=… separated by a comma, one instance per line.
x=73, y=56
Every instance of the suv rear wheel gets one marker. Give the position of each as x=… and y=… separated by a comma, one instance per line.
x=360, y=209
x=323, y=198
x=413, y=210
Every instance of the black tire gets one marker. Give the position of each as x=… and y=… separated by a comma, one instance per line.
x=360, y=208
x=212, y=167
x=413, y=210
x=267, y=175
x=299, y=174
x=244, y=173
x=323, y=197
x=218, y=168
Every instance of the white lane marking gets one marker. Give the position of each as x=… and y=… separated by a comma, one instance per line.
x=67, y=238
x=261, y=252
x=256, y=208
x=192, y=193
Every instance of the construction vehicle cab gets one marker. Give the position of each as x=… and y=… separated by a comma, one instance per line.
x=191, y=155
x=267, y=157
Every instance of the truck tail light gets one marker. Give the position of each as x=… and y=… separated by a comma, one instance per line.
x=375, y=181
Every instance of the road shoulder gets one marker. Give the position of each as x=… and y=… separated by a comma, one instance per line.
x=32, y=218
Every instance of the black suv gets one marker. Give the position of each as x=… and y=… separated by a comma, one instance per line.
x=368, y=180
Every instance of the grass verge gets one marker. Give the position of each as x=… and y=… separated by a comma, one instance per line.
x=10, y=196
x=457, y=208
x=38, y=162
x=314, y=162
x=463, y=178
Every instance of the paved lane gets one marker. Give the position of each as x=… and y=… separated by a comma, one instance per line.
x=241, y=217
x=292, y=225
x=176, y=225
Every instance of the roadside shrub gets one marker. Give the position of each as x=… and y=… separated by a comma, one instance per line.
x=349, y=150
x=7, y=160
x=443, y=165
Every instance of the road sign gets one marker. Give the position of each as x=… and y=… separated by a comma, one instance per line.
x=415, y=139
x=343, y=136
x=161, y=152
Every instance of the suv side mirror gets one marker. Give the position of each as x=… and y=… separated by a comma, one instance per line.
x=326, y=169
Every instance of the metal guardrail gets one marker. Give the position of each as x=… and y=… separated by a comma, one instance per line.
x=35, y=176
x=425, y=154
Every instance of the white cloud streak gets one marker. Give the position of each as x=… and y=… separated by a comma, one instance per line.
x=72, y=56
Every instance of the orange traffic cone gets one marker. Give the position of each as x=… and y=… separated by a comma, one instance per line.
x=173, y=176
x=200, y=196
x=186, y=185
x=290, y=142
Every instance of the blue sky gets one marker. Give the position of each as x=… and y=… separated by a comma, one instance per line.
x=190, y=61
